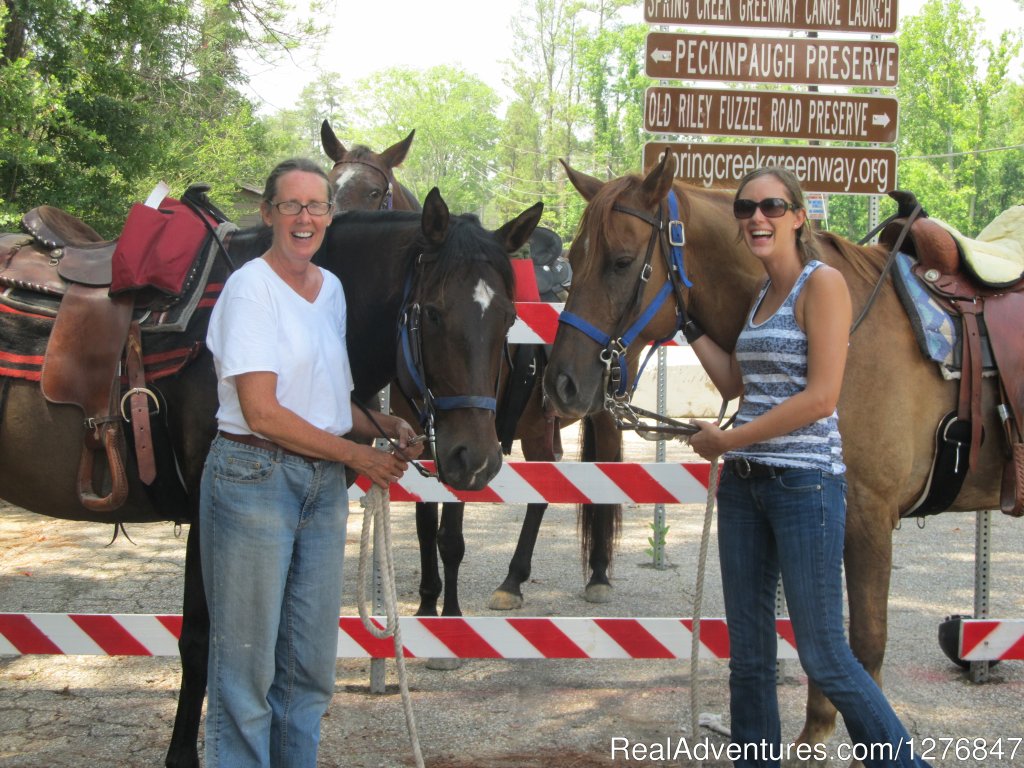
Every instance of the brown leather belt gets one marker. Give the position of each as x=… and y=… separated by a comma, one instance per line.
x=751, y=470
x=259, y=442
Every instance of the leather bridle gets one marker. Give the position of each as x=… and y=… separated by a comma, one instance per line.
x=387, y=201
x=412, y=372
x=671, y=233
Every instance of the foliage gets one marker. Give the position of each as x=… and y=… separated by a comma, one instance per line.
x=953, y=87
x=103, y=98
x=453, y=114
x=100, y=100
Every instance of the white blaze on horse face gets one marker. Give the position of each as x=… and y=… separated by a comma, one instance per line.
x=346, y=176
x=483, y=294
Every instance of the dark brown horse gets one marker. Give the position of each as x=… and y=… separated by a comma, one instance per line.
x=364, y=180
x=892, y=398
x=374, y=256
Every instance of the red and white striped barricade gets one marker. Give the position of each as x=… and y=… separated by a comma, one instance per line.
x=991, y=639
x=423, y=637
x=536, y=482
x=537, y=322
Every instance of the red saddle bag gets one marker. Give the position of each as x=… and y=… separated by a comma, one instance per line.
x=158, y=247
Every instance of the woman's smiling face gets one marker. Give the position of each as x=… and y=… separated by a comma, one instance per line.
x=766, y=235
x=298, y=235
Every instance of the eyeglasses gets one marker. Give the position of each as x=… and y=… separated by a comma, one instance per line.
x=772, y=207
x=293, y=208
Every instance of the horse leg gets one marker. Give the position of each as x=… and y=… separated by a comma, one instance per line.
x=193, y=646
x=599, y=527
x=446, y=539
x=599, y=523
x=430, y=577
x=510, y=594
x=452, y=546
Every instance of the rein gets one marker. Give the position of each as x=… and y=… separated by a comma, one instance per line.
x=671, y=233
x=412, y=360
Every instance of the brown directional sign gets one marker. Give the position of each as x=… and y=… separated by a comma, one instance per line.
x=849, y=170
x=872, y=16
x=809, y=61
x=784, y=115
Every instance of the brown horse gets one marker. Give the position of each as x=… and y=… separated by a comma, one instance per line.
x=374, y=256
x=892, y=398
x=364, y=180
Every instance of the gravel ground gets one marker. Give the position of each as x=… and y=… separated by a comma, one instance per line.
x=58, y=712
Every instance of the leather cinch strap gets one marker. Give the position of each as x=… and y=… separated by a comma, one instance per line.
x=138, y=398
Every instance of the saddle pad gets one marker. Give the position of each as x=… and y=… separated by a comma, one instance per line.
x=171, y=338
x=936, y=333
x=996, y=256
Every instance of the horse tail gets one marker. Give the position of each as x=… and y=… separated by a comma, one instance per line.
x=599, y=524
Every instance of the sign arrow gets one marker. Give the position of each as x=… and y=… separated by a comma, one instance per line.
x=882, y=119
x=659, y=55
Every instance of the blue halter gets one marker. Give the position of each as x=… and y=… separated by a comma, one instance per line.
x=614, y=346
x=411, y=372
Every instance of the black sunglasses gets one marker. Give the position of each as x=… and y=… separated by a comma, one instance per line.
x=772, y=207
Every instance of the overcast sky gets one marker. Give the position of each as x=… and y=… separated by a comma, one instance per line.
x=474, y=34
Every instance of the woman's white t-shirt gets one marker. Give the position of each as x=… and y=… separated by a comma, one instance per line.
x=259, y=323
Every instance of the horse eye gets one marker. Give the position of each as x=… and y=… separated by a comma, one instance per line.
x=622, y=264
x=432, y=315
x=375, y=193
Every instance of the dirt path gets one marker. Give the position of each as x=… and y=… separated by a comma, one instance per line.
x=65, y=712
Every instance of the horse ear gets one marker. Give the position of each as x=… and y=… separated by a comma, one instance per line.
x=395, y=154
x=658, y=182
x=435, y=218
x=587, y=186
x=516, y=233
x=334, y=148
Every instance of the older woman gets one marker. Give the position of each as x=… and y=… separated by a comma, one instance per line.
x=274, y=502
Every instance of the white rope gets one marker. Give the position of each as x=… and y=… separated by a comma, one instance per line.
x=698, y=600
x=377, y=511
x=696, y=716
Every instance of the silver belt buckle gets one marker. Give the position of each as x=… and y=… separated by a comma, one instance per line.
x=742, y=468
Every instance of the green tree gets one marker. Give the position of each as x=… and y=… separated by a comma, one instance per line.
x=103, y=98
x=457, y=128
x=580, y=71
x=953, y=85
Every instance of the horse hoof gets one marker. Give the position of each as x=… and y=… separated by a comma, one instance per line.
x=505, y=601
x=598, y=593
x=445, y=665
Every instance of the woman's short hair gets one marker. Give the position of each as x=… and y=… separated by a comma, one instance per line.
x=303, y=164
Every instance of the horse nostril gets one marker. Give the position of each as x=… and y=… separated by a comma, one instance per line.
x=565, y=388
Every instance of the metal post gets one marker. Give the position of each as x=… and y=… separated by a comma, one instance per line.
x=378, y=667
x=658, y=527
x=982, y=561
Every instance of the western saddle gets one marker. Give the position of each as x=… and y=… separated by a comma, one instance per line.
x=93, y=339
x=980, y=282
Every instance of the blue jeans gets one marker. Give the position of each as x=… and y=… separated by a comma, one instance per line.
x=794, y=524
x=272, y=529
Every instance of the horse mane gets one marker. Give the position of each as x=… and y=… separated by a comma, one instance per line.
x=360, y=152
x=468, y=240
x=595, y=229
x=866, y=261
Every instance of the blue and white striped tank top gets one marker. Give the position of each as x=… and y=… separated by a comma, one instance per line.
x=773, y=359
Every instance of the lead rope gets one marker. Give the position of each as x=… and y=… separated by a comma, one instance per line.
x=377, y=511
x=698, y=598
